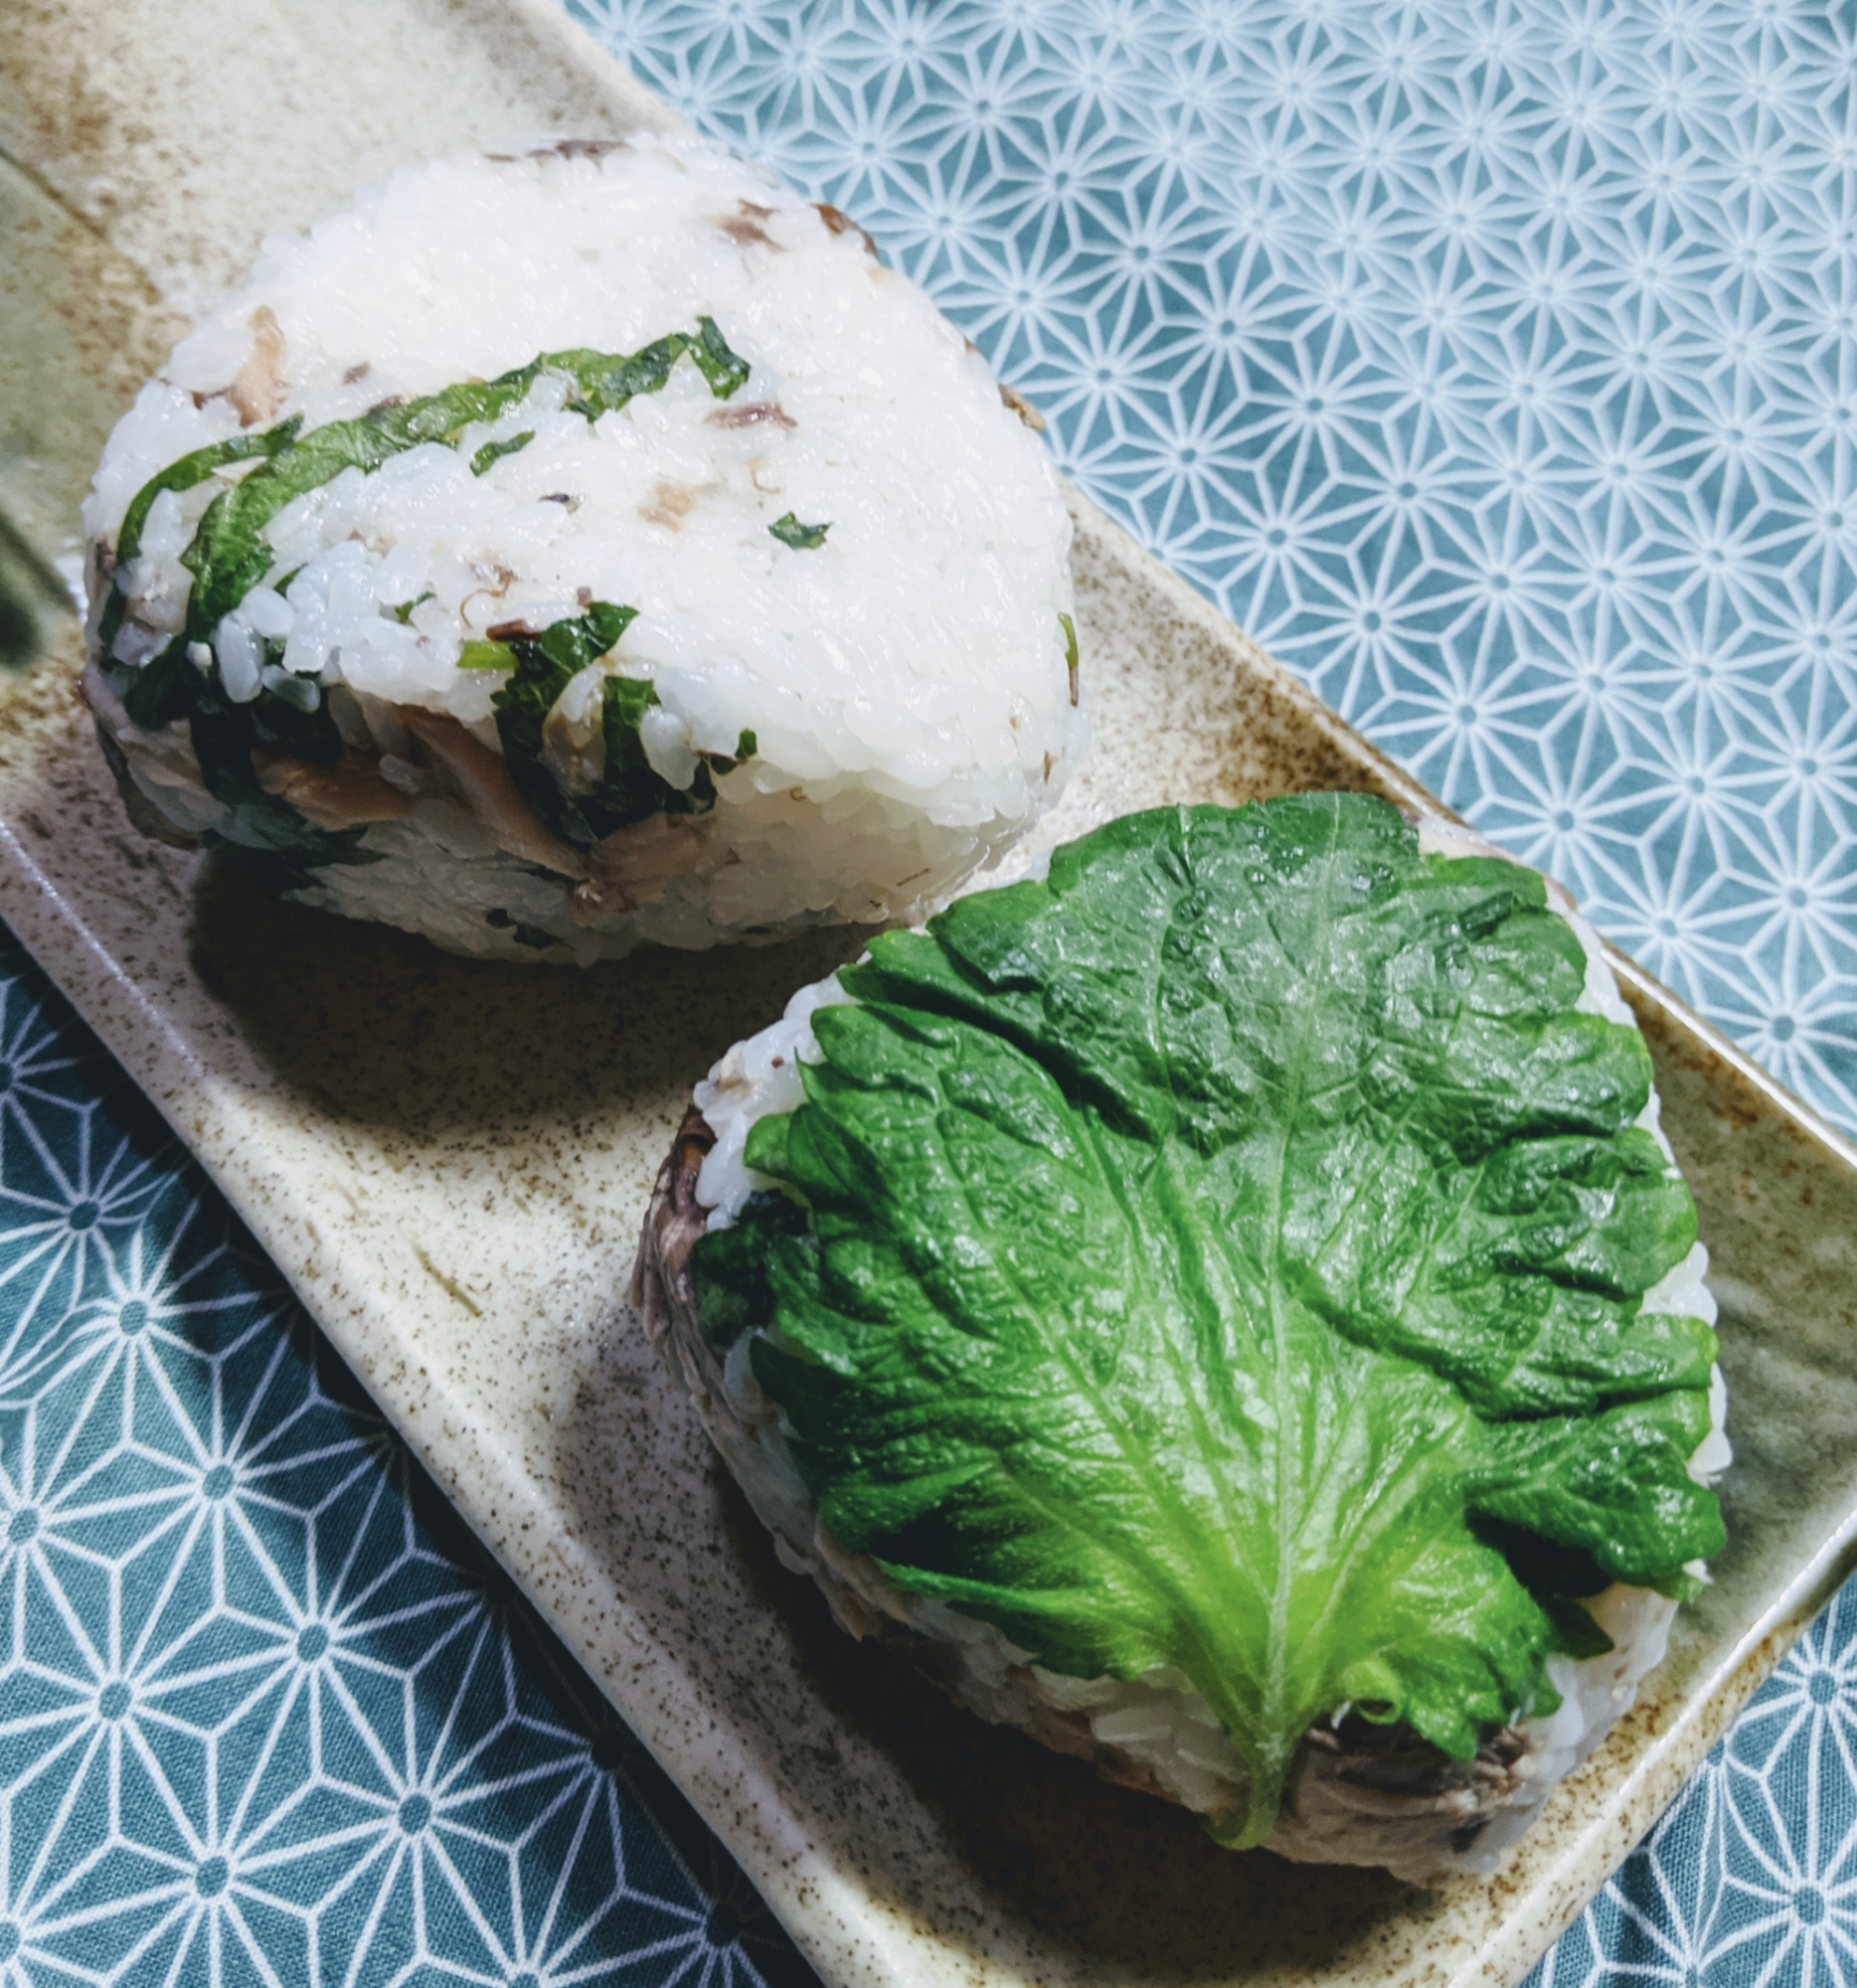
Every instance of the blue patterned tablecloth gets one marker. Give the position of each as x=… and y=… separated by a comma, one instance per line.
x=1494, y=362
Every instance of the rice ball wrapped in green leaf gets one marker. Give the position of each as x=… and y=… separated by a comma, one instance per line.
x=1229, y=1309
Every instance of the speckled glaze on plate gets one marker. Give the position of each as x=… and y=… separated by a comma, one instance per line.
x=450, y=1159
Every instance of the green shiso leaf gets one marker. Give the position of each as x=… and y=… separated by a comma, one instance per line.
x=494, y=451
x=486, y=656
x=163, y=689
x=230, y=554
x=802, y=538
x=186, y=474
x=726, y=371
x=1229, y=1255
x=541, y=668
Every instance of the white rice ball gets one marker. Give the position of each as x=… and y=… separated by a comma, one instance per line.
x=827, y=564
x=1424, y=1819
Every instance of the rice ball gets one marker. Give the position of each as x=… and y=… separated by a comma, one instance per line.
x=598, y=546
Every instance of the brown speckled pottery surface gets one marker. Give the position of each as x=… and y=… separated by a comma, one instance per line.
x=449, y=1160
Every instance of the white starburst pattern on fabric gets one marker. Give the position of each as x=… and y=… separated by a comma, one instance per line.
x=266, y=1714
x=1492, y=361
x=1751, y=1878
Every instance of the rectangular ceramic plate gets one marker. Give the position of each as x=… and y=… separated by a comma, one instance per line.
x=449, y=1160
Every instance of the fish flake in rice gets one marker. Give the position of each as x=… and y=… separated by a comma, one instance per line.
x=842, y=558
